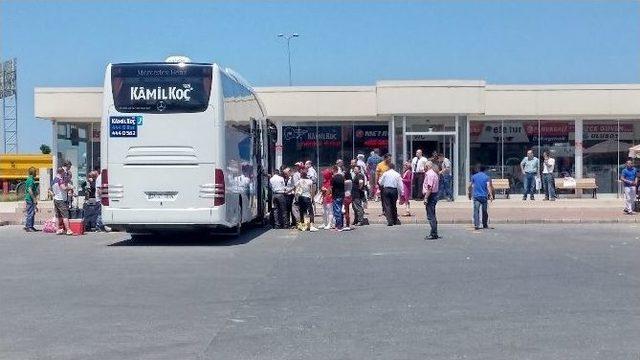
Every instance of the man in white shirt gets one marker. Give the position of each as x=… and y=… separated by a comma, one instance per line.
x=312, y=174
x=290, y=219
x=548, y=181
x=278, y=188
x=391, y=182
x=418, y=168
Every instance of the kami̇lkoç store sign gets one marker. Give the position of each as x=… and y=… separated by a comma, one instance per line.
x=305, y=137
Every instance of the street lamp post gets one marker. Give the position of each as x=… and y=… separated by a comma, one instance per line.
x=288, y=37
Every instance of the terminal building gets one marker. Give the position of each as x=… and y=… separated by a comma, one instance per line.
x=588, y=128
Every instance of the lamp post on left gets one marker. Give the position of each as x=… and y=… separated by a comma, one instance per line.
x=288, y=37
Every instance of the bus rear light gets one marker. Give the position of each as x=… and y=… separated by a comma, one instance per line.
x=218, y=197
x=104, y=187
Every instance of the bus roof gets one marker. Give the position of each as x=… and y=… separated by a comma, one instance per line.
x=160, y=63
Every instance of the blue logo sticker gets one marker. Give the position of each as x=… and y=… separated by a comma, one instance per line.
x=123, y=126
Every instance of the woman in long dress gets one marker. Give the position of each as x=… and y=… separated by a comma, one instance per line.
x=406, y=187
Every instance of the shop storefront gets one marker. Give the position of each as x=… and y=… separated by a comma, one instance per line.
x=605, y=149
x=433, y=134
x=502, y=144
x=78, y=143
x=323, y=142
x=602, y=146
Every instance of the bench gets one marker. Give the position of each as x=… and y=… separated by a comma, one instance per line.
x=501, y=184
x=581, y=184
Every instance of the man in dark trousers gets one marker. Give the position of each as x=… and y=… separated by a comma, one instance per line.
x=480, y=191
x=391, y=182
x=289, y=182
x=382, y=167
x=357, y=194
x=418, y=169
x=278, y=189
x=430, y=189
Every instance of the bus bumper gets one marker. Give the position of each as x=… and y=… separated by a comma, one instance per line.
x=164, y=219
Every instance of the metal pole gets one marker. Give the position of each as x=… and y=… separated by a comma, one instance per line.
x=288, y=37
x=15, y=99
x=4, y=115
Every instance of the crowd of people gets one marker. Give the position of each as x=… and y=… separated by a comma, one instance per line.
x=63, y=192
x=343, y=191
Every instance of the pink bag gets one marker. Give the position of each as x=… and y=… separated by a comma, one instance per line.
x=50, y=225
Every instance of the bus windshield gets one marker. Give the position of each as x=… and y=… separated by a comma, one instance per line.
x=161, y=88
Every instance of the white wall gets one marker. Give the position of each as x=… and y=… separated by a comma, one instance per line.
x=71, y=104
x=562, y=100
x=430, y=97
x=319, y=101
x=394, y=97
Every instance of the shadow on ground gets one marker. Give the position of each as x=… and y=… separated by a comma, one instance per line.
x=193, y=239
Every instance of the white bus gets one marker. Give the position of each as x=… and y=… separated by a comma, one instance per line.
x=184, y=146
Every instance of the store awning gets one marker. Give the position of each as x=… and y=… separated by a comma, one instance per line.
x=608, y=146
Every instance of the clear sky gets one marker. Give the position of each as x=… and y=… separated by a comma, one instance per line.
x=341, y=43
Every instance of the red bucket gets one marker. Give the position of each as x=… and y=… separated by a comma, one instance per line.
x=77, y=226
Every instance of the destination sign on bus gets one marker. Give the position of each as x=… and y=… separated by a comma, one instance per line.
x=161, y=88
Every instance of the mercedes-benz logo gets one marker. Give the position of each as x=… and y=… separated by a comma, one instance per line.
x=161, y=105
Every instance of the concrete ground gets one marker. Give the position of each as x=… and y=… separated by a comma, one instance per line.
x=514, y=292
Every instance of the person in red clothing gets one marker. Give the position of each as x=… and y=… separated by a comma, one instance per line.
x=327, y=200
x=407, y=178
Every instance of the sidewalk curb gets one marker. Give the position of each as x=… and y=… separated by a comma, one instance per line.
x=517, y=222
x=416, y=220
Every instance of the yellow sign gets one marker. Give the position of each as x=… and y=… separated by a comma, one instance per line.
x=16, y=167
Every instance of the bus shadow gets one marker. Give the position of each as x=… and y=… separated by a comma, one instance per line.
x=184, y=239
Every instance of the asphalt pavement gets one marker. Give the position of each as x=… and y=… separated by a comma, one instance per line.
x=538, y=291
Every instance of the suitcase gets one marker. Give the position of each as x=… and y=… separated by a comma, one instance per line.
x=90, y=215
